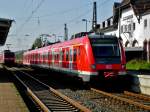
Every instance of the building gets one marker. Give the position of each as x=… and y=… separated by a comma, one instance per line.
x=130, y=23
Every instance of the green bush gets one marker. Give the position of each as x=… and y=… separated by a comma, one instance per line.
x=138, y=65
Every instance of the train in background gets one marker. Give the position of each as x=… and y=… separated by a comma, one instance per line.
x=7, y=57
x=85, y=56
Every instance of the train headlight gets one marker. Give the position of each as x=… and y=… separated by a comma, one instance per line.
x=123, y=66
x=93, y=66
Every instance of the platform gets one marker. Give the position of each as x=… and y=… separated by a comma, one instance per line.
x=10, y=99
x=140, y=82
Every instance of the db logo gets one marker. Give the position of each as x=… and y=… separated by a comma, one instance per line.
x=108, y=66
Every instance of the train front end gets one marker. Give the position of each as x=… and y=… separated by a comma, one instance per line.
x=9, y=57
x=109, y=56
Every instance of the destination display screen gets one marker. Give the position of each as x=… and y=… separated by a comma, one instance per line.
x=103, y=41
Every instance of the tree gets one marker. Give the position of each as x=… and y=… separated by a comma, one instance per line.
x=37, y=43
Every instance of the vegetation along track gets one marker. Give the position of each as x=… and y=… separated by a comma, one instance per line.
x=46, y=97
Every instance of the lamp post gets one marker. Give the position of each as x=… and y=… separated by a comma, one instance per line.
x=85, y=23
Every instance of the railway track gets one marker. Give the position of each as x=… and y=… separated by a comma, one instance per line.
x=46, y=97
x=97, y=100
x=138, y=100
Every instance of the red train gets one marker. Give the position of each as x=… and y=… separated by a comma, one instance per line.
x=84, y=56
x=7, y=57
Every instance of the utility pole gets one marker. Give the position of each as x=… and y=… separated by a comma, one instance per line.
x=8, y=46
x=94, y=21
x=65, y=32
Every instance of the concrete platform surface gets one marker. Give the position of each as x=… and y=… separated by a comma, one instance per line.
x=10, y=99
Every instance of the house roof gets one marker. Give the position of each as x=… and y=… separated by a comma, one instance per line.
x=125, y=2
x=110, y=28
x=141, y=6
x=5, y=25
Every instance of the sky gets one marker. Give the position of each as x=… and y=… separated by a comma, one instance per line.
x=35, y=17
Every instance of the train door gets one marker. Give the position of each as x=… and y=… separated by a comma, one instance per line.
x=74, y=58
x=63, y=58
x=53, y=57
x=79, y=58
x=49, y=57
x=70, y=59
x=60, y=57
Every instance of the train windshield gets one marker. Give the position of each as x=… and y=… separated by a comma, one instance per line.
x=106, y=50
x=9, y=55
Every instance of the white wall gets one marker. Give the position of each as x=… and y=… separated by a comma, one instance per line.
x=145, y=33
x=140, y=33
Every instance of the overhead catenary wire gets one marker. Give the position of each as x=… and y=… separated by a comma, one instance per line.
x=59, y=13
x=28, y=19
x=72, y=21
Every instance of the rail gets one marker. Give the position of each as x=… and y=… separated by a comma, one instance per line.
x=46, y=97
x=126, y=100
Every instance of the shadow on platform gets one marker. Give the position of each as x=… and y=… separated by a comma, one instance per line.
x=4, y=76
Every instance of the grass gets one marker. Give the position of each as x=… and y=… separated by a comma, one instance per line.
x=138, y=65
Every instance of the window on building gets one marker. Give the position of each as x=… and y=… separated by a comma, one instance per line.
x=104, y=24
x=125, y=28
x=133, y=26
x=108, y=23
x=145, y=23
x=129, y=27
x=121, y=29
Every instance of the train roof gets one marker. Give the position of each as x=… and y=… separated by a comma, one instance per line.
x=8, y=51
x=92, y=35
x=73, y=41
x=101, y=36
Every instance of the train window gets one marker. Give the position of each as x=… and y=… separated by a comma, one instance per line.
x=106, y=51
x=38, y=56
x=62, y=55
x=70, y=54
x=57, y=57
x=54, y=56
x=46, y=56
x=34, y=57
x=49, y=54
x=75, y=55
x=67, y=56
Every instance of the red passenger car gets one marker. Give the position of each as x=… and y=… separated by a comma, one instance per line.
x=85, y=57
